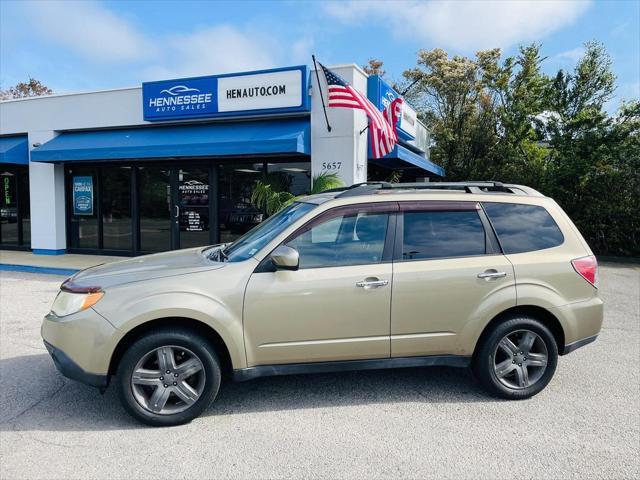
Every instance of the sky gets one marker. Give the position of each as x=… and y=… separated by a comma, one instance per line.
x=90, y=45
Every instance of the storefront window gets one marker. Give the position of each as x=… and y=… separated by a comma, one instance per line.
x=155, y=209
x=24, y=206
x=238, y=214
x=15, y=224
x=9, y=208
x=294, y=178
x=117, y=231
x=147, y=207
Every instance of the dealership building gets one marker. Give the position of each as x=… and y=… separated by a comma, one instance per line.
x=173, y=163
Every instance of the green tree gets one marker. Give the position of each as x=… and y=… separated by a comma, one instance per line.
x=504, y=119
x=449, y=95
x=31, y=88
x=271, y=193
x=594, y=158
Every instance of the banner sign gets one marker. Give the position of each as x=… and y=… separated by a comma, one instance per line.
x=267, y=91
x=83, y=195
x=382, y=94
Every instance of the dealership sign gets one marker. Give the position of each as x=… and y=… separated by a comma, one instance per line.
x=382, y=94
x=267, y=91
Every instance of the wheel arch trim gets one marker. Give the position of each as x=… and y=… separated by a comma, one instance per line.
x=547, y=318
x=211, y=334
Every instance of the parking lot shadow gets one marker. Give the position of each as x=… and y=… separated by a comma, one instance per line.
x=36, y=397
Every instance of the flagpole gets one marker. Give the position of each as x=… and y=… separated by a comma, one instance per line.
x=320, y=90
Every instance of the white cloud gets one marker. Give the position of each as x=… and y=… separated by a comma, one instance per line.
x=466, y=26
x=217, y=49
x=90, y=30
x=573, y=55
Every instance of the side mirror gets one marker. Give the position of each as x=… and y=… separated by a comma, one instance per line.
x=285, y=258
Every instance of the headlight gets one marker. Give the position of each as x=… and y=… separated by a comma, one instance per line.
x=68, y=302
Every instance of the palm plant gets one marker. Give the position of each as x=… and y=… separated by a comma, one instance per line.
x=271, y=195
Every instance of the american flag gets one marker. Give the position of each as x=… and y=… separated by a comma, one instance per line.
x=382, y=126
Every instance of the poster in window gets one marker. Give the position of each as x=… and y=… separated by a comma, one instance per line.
x=83, y=195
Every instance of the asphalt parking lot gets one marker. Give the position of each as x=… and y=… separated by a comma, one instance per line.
x=414, y=423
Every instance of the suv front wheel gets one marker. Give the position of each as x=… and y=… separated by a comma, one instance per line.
x=168, y=377
x=517, y=359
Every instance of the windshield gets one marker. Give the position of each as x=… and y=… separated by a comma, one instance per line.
x=256, y=238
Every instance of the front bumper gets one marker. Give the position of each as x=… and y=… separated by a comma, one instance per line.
x=81, y=345
x=72, y=370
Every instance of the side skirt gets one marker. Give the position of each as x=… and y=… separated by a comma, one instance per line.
x=250, y=373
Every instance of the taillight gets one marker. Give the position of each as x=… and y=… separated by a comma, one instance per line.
x=587, y=268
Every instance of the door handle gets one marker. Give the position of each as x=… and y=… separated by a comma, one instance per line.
x=177, y=211
x=491, y=274
x=369, y=283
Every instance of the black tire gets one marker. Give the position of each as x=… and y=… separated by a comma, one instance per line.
x=174, y=337
x=488, y=354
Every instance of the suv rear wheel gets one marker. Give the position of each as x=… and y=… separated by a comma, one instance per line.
x=168, y=377
x=517, y=359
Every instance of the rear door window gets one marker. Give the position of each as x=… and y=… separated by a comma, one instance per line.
x=442, y=234
x=523, y=228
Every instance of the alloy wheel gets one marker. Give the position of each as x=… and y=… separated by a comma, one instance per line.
x=168, y=380
x=520, y=359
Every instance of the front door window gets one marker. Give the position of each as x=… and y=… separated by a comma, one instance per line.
x=355, y=238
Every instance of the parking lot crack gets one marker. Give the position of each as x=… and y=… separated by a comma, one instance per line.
x=34, y=405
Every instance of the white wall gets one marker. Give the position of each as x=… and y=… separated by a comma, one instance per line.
x=46, y=191
x=344, y=149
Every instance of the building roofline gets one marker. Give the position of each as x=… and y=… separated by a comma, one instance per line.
x=121, y=89
x=69, y=94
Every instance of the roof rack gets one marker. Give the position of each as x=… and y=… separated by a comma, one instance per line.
x=474, y=187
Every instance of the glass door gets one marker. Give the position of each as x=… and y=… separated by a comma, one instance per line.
x=193, y=207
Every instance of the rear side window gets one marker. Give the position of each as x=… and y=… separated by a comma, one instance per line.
x=523, y=228
x=439, y=234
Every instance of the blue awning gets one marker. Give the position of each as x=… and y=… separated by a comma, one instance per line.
x=285, y=136
x=14, y=150
x=402, y=158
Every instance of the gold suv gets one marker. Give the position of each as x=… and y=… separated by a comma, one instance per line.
x=483, y=275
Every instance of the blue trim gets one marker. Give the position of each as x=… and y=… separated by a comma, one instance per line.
x=305, y=105
x=402, y=158
x=67, y=272
x=292, y=135
x=48, y=251
x=14, y=150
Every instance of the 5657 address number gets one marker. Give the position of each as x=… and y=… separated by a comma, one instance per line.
x=331, y=165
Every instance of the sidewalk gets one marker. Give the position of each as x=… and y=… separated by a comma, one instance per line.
x=66, y=264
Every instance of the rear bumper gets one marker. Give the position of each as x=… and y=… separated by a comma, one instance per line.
x=581, y=322
x=72, y=370
x=579, y=343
